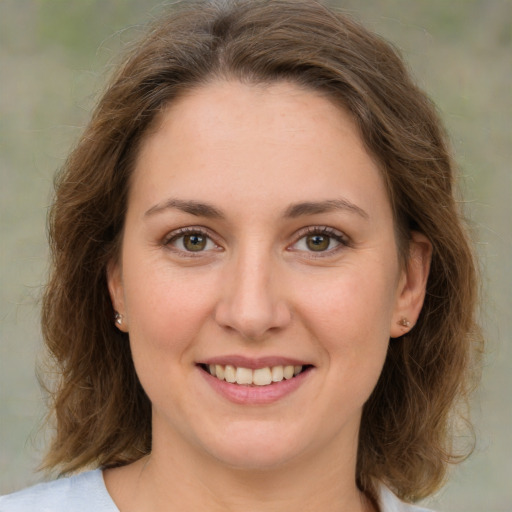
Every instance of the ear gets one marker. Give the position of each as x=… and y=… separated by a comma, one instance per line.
x=116, y=291
x=412, y=285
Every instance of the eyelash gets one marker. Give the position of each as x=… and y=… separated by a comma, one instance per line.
x=182, y=232
x=329, y=232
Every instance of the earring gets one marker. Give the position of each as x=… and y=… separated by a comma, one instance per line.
x=404, y=322
x=118, y=318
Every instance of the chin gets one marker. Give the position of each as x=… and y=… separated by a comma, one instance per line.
x=257, y=449
x=255, y=459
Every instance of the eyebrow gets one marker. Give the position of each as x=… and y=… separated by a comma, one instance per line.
x=295, y=210
x=329, y=205
x=192, y=207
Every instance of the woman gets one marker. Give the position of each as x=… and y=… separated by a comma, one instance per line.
x=262, y=294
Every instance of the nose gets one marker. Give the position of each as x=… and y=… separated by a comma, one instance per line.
x=252, y=301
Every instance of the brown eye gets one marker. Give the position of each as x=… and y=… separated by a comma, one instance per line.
x=189, y=241
x=195, y=242
x=318, y=242
x=322, y=240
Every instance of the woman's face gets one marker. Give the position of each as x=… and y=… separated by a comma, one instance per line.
x=259, y=237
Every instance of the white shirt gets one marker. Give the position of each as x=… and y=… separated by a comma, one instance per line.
x=86, y=492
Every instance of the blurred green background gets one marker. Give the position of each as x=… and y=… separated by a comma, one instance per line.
x=54, y=55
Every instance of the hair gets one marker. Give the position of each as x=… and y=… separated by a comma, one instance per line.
x=101, y=414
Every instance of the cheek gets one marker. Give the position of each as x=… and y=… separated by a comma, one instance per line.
x=350, y=318
x=166, y=308
x=351, y=300
x=165, y=316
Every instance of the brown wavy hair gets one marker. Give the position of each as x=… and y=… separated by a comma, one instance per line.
x=101, y=414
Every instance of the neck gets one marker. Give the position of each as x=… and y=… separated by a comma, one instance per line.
x=175, y=479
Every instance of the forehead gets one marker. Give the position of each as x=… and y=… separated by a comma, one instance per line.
x=277, y=108
x=260, y=142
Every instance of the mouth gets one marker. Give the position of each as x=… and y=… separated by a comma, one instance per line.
x=265, y=376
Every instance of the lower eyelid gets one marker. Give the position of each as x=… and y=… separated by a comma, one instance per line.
x=173, y=237
x=208, y=242
x=338, y=237
x=335, y=235
x=332, y=249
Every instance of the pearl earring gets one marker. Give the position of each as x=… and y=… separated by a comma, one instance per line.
x=118, y=318
x=404, y=322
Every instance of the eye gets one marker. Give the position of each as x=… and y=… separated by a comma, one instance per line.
x=320, y=239
x=190, y=240
x=318, y=242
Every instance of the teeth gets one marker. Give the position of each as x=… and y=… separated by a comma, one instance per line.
x=277, y=374
x=219, y=372
x=258, y=377
x=243, y=376
x=288, y=372
x=262, y=377
x=230, y=373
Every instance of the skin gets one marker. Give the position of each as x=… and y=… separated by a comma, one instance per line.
x=258, y=288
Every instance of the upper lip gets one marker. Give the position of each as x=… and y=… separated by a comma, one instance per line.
x=254, y=363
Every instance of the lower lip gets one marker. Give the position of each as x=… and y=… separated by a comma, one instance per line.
x=255, y=395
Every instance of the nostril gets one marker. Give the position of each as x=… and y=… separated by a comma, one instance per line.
x=253, y=320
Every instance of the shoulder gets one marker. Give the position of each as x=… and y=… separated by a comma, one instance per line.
x=388, y=502
x=83, y=492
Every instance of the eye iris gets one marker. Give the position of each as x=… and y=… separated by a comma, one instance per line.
x=194, y=242
x=318, y=242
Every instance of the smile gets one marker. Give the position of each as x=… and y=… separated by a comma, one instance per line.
x=254, y=377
